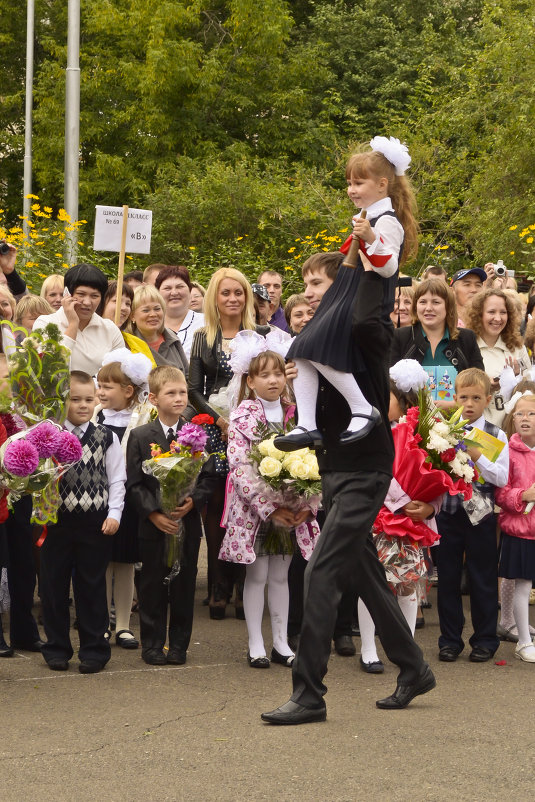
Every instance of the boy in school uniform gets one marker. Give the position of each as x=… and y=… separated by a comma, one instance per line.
x=476, y=542
x=79, y=544
x=169, y=394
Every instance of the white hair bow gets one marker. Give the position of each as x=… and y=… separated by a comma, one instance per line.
x=395, y=151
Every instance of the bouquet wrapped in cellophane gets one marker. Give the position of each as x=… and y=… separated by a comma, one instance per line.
x=32, y=460
x=176, y=471
x=289, y=480
x=430, y=459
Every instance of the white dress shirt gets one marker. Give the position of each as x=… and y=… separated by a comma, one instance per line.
x=389, y=235
x=99, y=337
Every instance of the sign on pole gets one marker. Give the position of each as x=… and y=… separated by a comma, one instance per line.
x=108, y=229
x=122, y=229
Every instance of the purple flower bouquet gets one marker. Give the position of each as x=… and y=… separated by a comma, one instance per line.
x=33, y=461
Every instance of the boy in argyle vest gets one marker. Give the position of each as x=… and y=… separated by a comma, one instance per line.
x=79, y=544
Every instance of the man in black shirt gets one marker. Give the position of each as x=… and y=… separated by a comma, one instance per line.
x=355, y=479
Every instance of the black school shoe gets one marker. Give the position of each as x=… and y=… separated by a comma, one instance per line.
x=90, y=666
x=304, y=439
x=480, y=654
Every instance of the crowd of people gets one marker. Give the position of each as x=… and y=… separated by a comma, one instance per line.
x=173, y=355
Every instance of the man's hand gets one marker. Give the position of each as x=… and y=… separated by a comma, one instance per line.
x=418, y=510
x=110, y=526
x=163, y=523
x=7, y=260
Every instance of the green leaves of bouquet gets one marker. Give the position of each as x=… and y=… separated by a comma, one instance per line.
x=39, y=375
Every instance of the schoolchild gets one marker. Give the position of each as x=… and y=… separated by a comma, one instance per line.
x=79, y=545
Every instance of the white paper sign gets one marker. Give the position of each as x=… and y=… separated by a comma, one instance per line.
x=109, y=224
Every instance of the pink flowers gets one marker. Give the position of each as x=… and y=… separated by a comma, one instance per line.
x=44, y=441
x=192, y=436
x=46, y=438
x=69, y=449
x=21, y=458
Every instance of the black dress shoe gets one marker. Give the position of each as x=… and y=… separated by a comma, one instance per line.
x=258, y=662
x=344, y=646
x=480, y=654
x=293, y=442
x=176, y=656
x=36, y=646
x=154, y=657
x=404, y=694
x=448, y=654
x=283, y=660
x=293, y=713
x=57, y=664
x=90, y=666
x=126, y=643
x=348, y=437
x=5, y=650
x=375, y=667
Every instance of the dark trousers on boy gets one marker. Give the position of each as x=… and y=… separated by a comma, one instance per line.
x=75, y=547
x=460, y=540
x=155, y=596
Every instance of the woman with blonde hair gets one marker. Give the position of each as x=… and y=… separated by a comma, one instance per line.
x=148, y=323
x=52, y=290
x=28, y=310
x=494, y=318
x=228, y=308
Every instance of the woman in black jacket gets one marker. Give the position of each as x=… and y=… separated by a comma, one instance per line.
x=434, y=339
x=228, y=308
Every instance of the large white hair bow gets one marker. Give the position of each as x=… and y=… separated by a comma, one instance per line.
x=408, y=374
x=511, y=404
x=135, y=366
x=395, y=151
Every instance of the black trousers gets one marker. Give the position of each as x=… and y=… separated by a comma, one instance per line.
x=155, y=597
x=345, y=556
x=458, y=537
x=21, y=573
x=75, y=547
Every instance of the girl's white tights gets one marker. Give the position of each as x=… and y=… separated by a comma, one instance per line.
x=272, y=569
x=521, y=609
x=507, y=593
x=408, y=606
x=120, y=585
x=306, y=393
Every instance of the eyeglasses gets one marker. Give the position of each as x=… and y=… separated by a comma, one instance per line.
x=519, y=415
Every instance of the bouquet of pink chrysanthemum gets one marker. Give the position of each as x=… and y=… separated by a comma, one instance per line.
x=177, y=470
x=31, y=463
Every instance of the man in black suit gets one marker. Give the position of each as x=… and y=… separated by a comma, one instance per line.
x=169, y=394
x=355, y=479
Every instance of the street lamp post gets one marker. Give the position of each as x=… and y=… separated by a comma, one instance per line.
x=27, y=184
x=72, y=122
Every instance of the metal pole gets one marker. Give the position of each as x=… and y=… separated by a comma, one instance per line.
x=26, y=203
x=72, y=123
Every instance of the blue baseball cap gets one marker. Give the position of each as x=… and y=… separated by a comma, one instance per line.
x=477, y=271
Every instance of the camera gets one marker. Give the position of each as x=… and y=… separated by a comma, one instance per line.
x=500, y=269
x=4, y=248
x=404, y=281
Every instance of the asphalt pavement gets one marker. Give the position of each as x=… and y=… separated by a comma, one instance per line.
x=135, y=732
